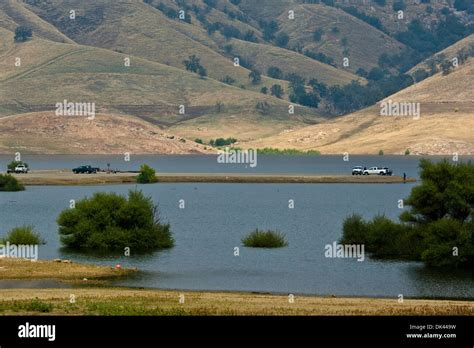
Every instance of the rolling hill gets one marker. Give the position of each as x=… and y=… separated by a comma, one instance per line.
x=448, y=53
x=82, y=59
x=14, y=13
x=444, y=126
x=354, y=39
x=46, y=133
x=265, y=56
x=52, y=72
x=135, y=28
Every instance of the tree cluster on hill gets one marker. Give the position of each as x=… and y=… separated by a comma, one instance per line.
x=222, y=142
x=269, y=29
x=300, y=95
x=23, y=33
x=193, y=64
x=428, y=41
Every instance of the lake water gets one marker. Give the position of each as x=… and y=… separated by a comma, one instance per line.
x=217, y=216
x=208, y=164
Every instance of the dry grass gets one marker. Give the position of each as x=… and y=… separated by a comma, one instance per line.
x=449, y=52
x=159, y=302
x=264, y=56
x=365, y=43
x=146, y=32
x=46, y=133
x=12, y=268
x=444, y=127
x=14, y=13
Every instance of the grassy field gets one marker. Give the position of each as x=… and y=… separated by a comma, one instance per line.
x=12, y=268
x=116, y=301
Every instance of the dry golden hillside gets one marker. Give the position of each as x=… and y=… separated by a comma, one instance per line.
x=46, y=133
x=14, y=13
x=448, y=53
x=265, y=56
x=360, y=42
x=445, y=124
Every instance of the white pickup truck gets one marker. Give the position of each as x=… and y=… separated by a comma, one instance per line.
x=19, y=169
x=377, y=171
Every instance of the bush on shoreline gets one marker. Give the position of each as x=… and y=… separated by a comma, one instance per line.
x=438, y=229
x=112, y=222
x=23, y=235
x=147, y=175
x=9, y=183
x=265, y=239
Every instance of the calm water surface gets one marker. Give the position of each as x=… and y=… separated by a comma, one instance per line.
x=208, y=164
x=216, y=216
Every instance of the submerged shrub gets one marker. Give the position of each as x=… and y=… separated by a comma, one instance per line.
x=265, y=239
x=23, y=235
x=9, y=183
x=111, y=222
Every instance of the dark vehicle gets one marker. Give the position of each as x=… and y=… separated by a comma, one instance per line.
x=388, y=171
x=85, y=170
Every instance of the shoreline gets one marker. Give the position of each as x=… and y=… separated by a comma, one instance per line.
x=64, y=177
x=92, y=298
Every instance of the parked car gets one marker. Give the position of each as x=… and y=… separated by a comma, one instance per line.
x=388, y=171
x=19, y=169
x=357, y=170
x=376, y=170
x=85, y=170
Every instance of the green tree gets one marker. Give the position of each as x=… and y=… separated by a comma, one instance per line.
x=147, y=175
x=256, y=77
x=193, y=63
x=282, y=39
x=438, y=227
x=447, y=190
x=318, y=34
x=277, y=91
x=275, y=72
x=22, y=34
x=202, y=71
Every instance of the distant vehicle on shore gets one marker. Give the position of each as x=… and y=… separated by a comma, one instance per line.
x=85, y=170
x=357, y=170
x=377, y=171
x=19, y=169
